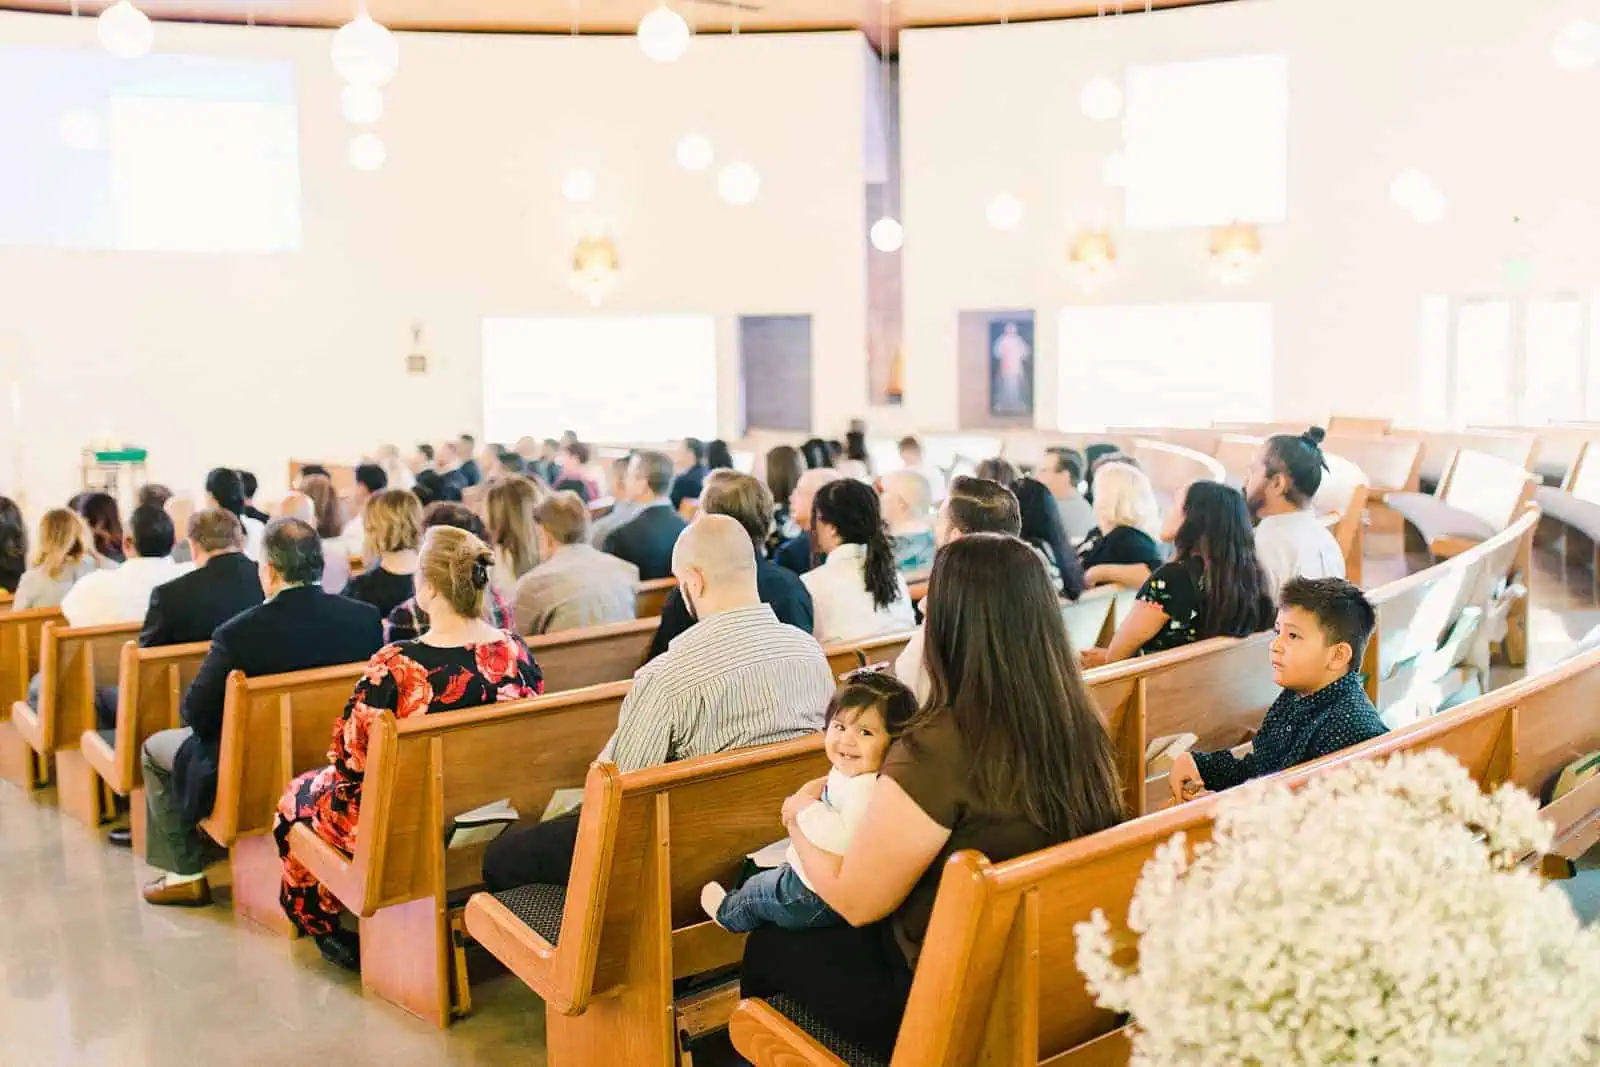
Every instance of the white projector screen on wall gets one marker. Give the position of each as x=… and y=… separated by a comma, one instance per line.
x=168, y=153
x=616, y=378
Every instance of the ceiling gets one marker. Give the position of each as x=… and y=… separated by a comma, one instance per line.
x=877, y=18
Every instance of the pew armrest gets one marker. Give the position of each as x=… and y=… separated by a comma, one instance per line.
x=766, y=1038
x=102, y=757
x=26, y=720
x=332, y=868
x=525, y=954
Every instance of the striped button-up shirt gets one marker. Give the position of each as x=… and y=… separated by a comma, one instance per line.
x=734, y=679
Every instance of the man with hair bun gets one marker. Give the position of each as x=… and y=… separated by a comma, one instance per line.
x=1291, y=542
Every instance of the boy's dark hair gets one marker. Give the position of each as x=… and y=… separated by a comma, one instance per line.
x=870, y=688
x=1343, y=612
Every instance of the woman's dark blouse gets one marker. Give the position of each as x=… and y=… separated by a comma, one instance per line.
x=1178, y=589
x=1124, y=545
x=383, y=589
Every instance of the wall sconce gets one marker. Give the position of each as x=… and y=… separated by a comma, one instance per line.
x=1235, y=252
x=1092, y=257
x=595, y=267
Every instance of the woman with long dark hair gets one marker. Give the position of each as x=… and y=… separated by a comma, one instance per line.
x=1213, y=587
x=100, y=511
x=1041, y=528
x=857, y=591
x=1006, y=756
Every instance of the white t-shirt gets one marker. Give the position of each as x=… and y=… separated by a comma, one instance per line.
x=831, y=822
x=1297, y=545
x=254, y=529
x=844, y=609
x=121, y=594
x=908, y=668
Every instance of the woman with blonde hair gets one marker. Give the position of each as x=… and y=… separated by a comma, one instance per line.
x=391, y=523
x=460, y=662
x=1120, y=549
x=65, y=554
x=513, y=532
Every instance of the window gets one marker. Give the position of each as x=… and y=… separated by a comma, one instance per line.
x=621, y=378
x=1489, y=361
x=1207, y=142
x=1164, y=365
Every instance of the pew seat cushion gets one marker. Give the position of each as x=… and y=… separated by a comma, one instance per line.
x=819, y=1031
x=540, y=908
x=1568, y=510
x=1434, y=519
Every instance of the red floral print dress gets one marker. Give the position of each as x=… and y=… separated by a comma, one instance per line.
x=410, y=678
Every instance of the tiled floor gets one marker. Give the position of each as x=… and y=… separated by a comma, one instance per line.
x=91, y=976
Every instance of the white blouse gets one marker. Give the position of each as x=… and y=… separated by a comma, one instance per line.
x=841, y=605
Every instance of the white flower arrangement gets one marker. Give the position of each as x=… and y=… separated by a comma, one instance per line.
x=1376, y=916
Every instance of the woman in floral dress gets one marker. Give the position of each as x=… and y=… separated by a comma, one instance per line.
x=460, y=662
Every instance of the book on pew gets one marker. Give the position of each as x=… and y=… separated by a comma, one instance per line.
x=480, y=825
x=562, y=802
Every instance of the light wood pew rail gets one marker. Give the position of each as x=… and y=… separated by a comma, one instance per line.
x=651, y=596
x=1359, y=425
x=1091, y=620
x=73, y=663
x=1437, y=628
x=1573, y=508
x=1478, y=496
x=1559, y=445
x=1172, y=467
x=997, y=981
x=274, y=727
x=422, y=772
x=20, y=637
x=846, y=656
x=1235, y=452
x=1438, y=447
x=150, y=687
x=592, y=655
x=1198, y=439
x=6, y=600
x=631, y=920
x=342, y=475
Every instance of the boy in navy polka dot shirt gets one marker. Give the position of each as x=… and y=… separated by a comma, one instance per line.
x=1323, y=627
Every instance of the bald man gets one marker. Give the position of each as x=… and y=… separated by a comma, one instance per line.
x=737, y=678
x=796, y=553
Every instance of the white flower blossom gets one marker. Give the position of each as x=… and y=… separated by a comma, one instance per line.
x=1376, y=916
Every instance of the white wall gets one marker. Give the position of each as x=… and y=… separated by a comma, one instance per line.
x=1462, y=89
x=245, y=359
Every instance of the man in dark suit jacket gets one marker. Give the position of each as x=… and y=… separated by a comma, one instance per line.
x=691, y=477
x=646, y=540
x=297, y=628
x=739, y=496
x=466, y=448
x=224, y=582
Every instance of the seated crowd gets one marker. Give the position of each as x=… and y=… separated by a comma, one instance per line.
x=982, y=735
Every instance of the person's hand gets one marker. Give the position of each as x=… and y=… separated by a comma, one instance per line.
x=1095, y=575
x=1095, y=657
x=1184, y=779
x=803, y=798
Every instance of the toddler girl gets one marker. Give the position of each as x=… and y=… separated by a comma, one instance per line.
x=868, y=711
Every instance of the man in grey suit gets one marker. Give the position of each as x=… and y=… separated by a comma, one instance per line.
x=575, y=584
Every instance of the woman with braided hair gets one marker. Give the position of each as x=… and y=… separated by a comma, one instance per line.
x=459, y=662
x=1291, y=542
x=857, y=591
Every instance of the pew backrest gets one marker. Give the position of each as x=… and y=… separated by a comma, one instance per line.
x=150, y=687
x=1486, y=487
x=846, y=656
x=274, y=727
x=73, y=663
x=1199, y=439
x=1235, y=452
x=592, y=655
x=1172, y=468
x=1559, y=445
x=1583, y=477
x=1439, y=447
x=21, y=634
x=651, y=596
x=1359, y=425
x=1391, y=464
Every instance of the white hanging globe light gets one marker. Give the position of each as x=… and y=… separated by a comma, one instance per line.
x=579, y=186
x=1577, y=46
x=80, y=130
x=361, y=104
x=1101, y=99
x=1115, y=170
x=125, y=31
x=367, y=152
x=663, y=34
x=1004, y=212
x=738, y=183
x=887, y=234
x=695, y=152
x=365, y=53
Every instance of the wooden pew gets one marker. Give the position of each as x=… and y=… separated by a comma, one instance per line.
x=274, y=727
x=150, y=687
x=592, y=655
x=1359, y=425
x=1092, y=619
x=1559, y=445
x=20, y=636
x=651, y=596
x=342, y=475
x=846, y=656
x=6, y=600
x=1172, y=467
x=73, y=662
x=1438, y=448
x=421, y=773
x=1390, y=464
x=1574, y=507
x=1197, y=439
x=1235, y=452
x=997, y=983
x=1435, y=626
x=1478, y=496
x=603, y=954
